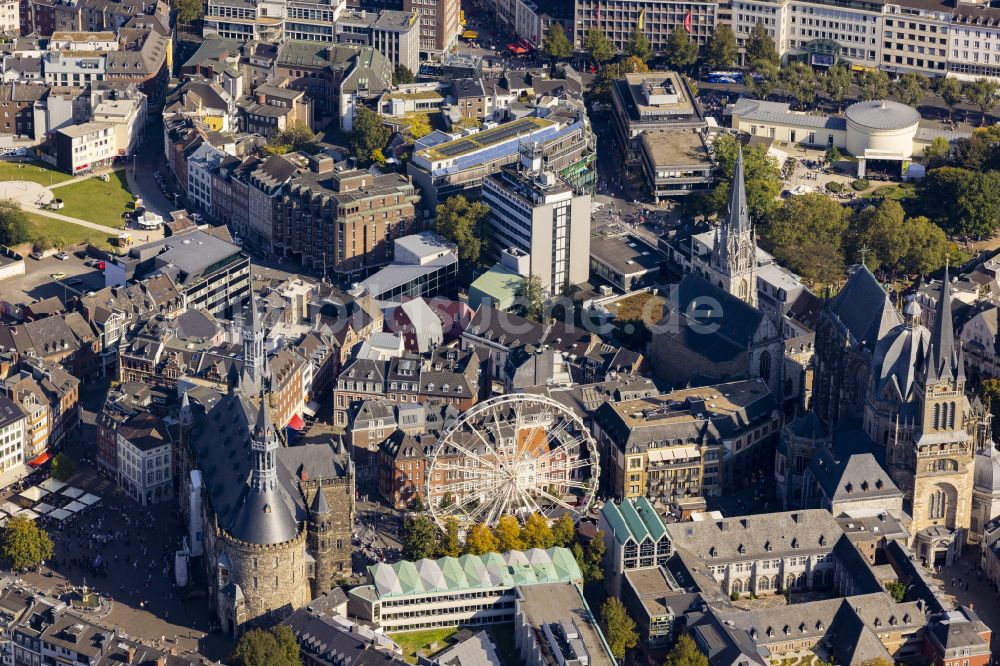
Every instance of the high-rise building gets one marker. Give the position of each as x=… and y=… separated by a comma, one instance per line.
x=439, y=25
x=537, y=217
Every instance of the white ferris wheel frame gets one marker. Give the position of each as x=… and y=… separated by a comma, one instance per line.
x=511, y=493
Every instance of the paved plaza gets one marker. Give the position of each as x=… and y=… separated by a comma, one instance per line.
x=125, y=552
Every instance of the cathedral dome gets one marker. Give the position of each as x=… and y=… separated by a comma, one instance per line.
x=899, y=356
x=987, y=475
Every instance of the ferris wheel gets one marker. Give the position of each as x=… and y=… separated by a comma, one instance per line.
x=512, y=454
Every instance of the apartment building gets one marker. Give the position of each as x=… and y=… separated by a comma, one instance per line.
x=145, y=459
x=342, y=220
x=439, y=24
x=915, y=37
x=396, y=35
x=10, y=17
x=85, y=147
x=13, y=434
x=243, y=20
x=974, y=42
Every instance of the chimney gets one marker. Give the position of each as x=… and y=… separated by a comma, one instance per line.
x=261, y=99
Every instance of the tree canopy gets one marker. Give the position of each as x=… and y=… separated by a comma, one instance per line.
x=531, y=298
x=402, y=74
x=638, y=45
x=14, y=228
x=873, y=84
x=681, y=51
x=62, y=467
x=799, y=79
x=909, y=89
x=950, y=91
x=591, y=557
x=563, y=531
x=599, y=46
x=984, y=93
x=806, y=235
x=837, y=83
x=258, y=647
x=296, y=136
x=760, y=50
x=556, y=44
x=189, y=11
x=619, y=628
x=536, y=532
x=508, y=534
x=368, y=136
x=462, y=222
x=25, y=545
x=685, y=653
x=420, y=538
x=980, y=151
x=451, y=545
x=721, y=51
x=898, y=245
x=762, y=177
x=480, y=540
x=962, y=201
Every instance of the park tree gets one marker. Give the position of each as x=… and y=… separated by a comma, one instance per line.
x=806, y=235
x=873, y=84
x=450, y=545
x=762, y=177
x=763, y=79
x=62, y=467
x=926, y=247
x=984, y=93
x=837, y=83
x=681, y=51
x=590, y=558
x=536, y=532
x=634, y=65
x=259, y=647
x=961, y=201
x=14, y=228
x=979, y=151
x=685, y=653
x=462, y=222
x=531, y=298
x=418, y=125
x=420, y=537
x=556, y=45
x=188, y=11
x=832, y=155
x=638, y=45
x=508, y=534
x=597, y=44
x=619, y=628
x=25, y=545
x=799, y=79
x=479, y=540
x=402, y=74
x=898, y=246
x=950, y=91
x=909, y=89
x=937, y=153
x=563, y=531
x=296, y=136
x=721, y=51
x=368, y=136
x=760, y=50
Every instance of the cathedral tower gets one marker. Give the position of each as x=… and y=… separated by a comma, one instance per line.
x=734, y=259
x=321, y=541
x=254, y=356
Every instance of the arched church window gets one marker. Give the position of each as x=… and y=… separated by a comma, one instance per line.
x=937, y=416
x=951, y=417
x=936, y=506
x=765, y=366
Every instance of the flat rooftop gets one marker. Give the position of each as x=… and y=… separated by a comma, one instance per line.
x=658, y=592
x=542, y=605
x=484, y=139
x=656, y=95
x=686, y=404
x=627, y=255
x=678, y=148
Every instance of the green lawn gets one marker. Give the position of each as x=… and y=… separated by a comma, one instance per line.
x=96, y=201
x=35, y=172
x=895, y=192
x=66, y=233
x=413, y=642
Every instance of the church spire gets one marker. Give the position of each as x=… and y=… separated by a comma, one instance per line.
x=734, y=258
x=944, y=352
x=738, y=217
x=265, y=442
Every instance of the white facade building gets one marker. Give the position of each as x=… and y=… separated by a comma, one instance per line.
x=200, y=164
x=538, y=215
x=145, y=459
x=13, y=430
x=84, y=147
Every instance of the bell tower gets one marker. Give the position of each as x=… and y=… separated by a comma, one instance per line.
x=734, y=259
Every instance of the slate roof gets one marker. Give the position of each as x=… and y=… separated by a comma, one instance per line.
x=770, y=535
x=864, y=309
x=852, y=478
x=144, y=431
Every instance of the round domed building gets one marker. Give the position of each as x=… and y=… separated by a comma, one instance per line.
x=881, y=127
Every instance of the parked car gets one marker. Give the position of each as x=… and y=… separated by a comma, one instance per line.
x=62, y=256
x=36, y=256
x=57, y=276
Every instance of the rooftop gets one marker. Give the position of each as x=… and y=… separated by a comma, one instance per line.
x=627, y=255
x=571, y=628
x=676, y=148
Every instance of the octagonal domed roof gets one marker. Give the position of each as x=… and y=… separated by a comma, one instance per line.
x=882, y=114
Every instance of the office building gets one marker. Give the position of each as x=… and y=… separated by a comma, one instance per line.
x=439, y=24
x=538, y=214
x=469, y=590
x=342, y=220
x=553, y=626
x=396, y=35
x=635, y=537
x=85, y=147
x=657, y=19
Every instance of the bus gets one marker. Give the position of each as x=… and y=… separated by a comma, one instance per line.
x=724, y=77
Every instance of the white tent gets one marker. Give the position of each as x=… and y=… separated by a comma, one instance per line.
x=60, y=514
x=9, y=508
x=34, y=493
x=27, y=513
x=43, y=508
x=52, y=485
x=73, y=507
x=72, y=492
x=89, y=499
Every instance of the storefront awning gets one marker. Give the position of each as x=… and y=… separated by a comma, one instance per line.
x=40, y=460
